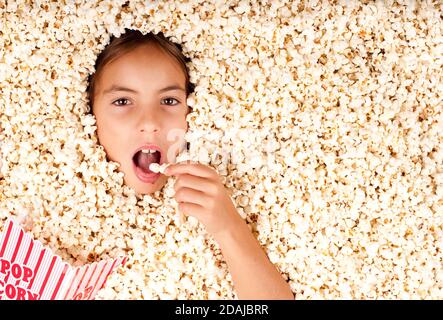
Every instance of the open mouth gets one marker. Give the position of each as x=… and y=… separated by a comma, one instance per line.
x=143, y=158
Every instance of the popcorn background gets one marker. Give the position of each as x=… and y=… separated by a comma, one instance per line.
x=324, y=119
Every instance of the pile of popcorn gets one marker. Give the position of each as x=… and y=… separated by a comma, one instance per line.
x=323, y=118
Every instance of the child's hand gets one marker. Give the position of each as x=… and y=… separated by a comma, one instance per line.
x=200, y=193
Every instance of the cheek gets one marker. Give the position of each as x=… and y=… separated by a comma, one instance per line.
x=174, y=120
x=110, y=132
x=185, y=125
x=107, y=124
x=183, y=122
x=175, y=136
x=179, y=123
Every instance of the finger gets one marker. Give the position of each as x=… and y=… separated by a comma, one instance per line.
x=193, y=182
x=191, y=209
x=191, y=196
x=195, y=169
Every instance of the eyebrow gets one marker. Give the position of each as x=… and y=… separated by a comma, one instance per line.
x=115, y=88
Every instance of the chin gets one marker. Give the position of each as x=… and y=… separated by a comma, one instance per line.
x=146, y=188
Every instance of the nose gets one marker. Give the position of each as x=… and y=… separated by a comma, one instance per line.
x=149, y=121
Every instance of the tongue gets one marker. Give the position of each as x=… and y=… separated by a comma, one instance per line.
x=143, y=160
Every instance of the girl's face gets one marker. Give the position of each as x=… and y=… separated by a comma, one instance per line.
x=140, y=100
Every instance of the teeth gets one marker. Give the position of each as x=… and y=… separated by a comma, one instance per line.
x=148, y=151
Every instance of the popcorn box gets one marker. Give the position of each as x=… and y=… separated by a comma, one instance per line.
x=29, y=271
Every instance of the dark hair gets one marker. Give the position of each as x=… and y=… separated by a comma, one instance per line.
x=130, y=40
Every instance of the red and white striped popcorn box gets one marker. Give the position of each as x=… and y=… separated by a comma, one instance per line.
x=28, y=271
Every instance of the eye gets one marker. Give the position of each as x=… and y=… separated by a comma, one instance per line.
x=168, y=101
x=121, y=99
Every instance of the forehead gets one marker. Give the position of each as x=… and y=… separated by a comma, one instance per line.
x=145, y=66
